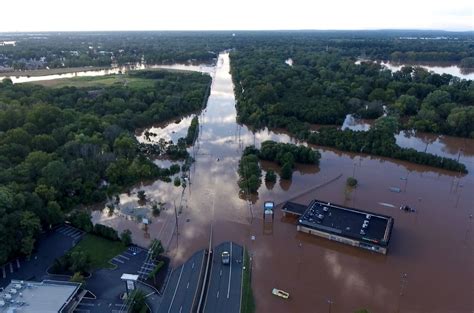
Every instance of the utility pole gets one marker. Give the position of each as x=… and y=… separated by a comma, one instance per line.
x=176, y=218
x=330, y=302
x=459, y=154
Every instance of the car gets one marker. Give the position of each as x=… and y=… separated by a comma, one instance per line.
x=280, y=293
x=225, y=257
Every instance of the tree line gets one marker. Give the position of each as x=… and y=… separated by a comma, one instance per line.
x=284, y=154
x=380, y=141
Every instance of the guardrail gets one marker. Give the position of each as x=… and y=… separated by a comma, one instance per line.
x=206, y=275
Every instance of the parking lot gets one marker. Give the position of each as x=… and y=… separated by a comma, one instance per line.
x=51, y=245
x=107, y=287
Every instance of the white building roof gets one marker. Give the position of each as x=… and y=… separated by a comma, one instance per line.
x=36, y=297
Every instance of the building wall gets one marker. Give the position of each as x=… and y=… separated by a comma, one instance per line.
x=344, y=240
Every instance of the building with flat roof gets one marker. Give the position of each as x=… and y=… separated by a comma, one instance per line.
x=350, y=226
x=39, y=297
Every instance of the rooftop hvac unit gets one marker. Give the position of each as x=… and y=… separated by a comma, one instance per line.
x=13, y=291
x=17, y=286
x=7, y=296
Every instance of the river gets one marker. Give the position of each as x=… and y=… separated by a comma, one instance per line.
x=429, y=267
x=438, y=68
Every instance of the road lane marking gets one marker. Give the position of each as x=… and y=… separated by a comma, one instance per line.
x=176, y=289
x=230, y=271
x=11, y=267
x=17, y=263
x=217, y=294
x=187, y=286
x=180, y=309
x=123, y=257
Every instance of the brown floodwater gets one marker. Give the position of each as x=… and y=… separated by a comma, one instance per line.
x=430, y=264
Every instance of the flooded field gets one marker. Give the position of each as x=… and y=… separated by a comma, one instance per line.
x=45, y=75
x=429, y=267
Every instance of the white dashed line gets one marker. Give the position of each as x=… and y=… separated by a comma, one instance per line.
x=230, y=271
x=176, y=289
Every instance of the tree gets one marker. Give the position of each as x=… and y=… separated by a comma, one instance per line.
x=286, y=171
x=387, y=125
x=270, y=176
x=155, y=210
x=436, y=98
x=462, y=121
x=156, y=248
x=125, y=146
x=46, y=193
x=138, y=301
x=82, y=220
x=78, y=278
x=141, y=195
x=55, y=215
x=80, y=261
x=126, y=237
x=30, y=227
x=406, y=105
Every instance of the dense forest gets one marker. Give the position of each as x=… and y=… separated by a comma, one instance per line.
x=321, y=88
x=56, y=50
x=61, y=148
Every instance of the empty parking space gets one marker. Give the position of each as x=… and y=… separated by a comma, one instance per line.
x=51, y=245
x=70, y=231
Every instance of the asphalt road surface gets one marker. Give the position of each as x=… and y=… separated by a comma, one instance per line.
x=224, y=291
x=182, y=286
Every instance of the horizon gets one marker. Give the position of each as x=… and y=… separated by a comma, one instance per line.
x=243, y=30
x=211, y=15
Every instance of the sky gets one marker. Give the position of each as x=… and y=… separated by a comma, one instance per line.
x=90, y=15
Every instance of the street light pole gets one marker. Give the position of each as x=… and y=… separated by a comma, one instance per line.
x=330, y=302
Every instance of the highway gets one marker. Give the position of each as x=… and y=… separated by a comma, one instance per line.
x=224, y=290
x=182, y=286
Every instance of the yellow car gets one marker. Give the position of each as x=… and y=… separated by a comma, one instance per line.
x=280, y=293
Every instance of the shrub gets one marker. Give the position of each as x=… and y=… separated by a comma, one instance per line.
x=105, y=232
x=126, y=237
x=351, y=182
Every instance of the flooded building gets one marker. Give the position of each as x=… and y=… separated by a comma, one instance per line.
x=342, y=224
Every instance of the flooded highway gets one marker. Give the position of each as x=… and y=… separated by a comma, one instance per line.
x=430, y=263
